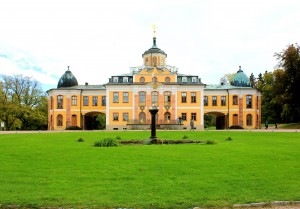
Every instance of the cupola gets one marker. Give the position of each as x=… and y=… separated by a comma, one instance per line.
x=67, y=80
x=240, y=79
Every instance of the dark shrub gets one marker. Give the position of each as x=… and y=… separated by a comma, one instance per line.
x=210, y=142
x=107, y=142
x=185, y=137
x=236, y=127
x=73, y=128
x=118, y=137
x=80, y=140
x=228, y=139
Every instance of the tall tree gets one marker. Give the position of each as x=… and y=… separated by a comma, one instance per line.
x=289, y=60
x=22, y=97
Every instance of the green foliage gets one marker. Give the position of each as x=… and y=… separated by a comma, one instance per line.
x=228, y=139
x=23, y=104
x=210, y=142
x=107, y=142
x=118, y=138
x=101, y=122
x=185, y=137
x=80, y=140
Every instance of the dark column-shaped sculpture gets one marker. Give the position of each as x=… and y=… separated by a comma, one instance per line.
x=153, y=112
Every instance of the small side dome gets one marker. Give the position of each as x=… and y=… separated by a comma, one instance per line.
x=240, y=79
x=67, y=80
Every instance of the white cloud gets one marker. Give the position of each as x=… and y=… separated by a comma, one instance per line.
x=99, y=39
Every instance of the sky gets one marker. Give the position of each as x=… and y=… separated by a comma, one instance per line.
x=99, y=39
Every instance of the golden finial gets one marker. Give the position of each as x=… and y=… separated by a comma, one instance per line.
x=154, y=30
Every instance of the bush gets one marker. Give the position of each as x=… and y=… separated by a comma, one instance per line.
x=73, y=128
x=118, y=137
x=107, y=142
x=80, y=140
x=185, y=137
x=236, y=127
x=210, y=142
x=228, y=139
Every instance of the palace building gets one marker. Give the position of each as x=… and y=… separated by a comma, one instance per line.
x=126, y=99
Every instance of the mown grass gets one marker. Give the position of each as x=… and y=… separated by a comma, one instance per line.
x=54, y=169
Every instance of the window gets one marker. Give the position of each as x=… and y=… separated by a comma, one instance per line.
x=146, y=61
x=183, y=116
x=154, y=79
x=249, y=120
x=60, y=102
x=74, y=100
x=51, y=103
x=249, y=101
x=194, y=79
x=154, y=98
x=167, y=97
x=125, y=79
x=214, y=101
x=125, y=97
x=223, y=100
x=115, y=116
x=235, y=100
x=205, y=98
x=115, y=79
x=154, y=61
x=194, y=116
x=59, y=120
x=125, y=116
x=142, y=98
x=193, y=97
x=95, y=101
x=116, y=97
x=85, y=101
x=103, y=100
x=183, y=97
x=161, y=61
x=184, y=79
x=167, y=79
x=142, y=79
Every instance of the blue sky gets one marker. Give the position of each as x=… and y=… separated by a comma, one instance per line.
x=98, y=39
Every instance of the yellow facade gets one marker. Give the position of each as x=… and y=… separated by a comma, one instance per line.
x=126, y=99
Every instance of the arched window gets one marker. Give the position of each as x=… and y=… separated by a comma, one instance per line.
x=249, y=120
x=142, y=117
x=154, y=61
x=60, y=102
x=167, y=79
x=142, y=79
x=146, y=61
x=154, y=98
x=74, y=120
x=154, y=79
x=59, y=120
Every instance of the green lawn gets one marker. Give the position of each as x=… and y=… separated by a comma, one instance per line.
x=53, y=169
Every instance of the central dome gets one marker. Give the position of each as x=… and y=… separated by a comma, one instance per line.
x=154, y=49
x=240, y=79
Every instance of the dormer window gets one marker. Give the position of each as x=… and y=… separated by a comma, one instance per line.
x=125, y=80
x=146, y=61
x=184, y=79
x=194, y=79
x=115, y=79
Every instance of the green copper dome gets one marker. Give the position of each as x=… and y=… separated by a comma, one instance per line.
x=240, y=79
x=67, y=80
x=154, y=49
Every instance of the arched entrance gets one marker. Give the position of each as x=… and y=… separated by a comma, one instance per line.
x=217, y=119
x=92, y=122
